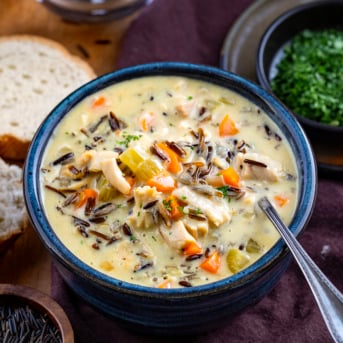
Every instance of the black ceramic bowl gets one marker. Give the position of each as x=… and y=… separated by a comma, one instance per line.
x=179, y=310
x=325, y=139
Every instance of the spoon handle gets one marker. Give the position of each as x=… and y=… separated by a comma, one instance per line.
x=328, y=297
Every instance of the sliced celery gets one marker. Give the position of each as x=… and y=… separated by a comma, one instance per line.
x=236, y=260
x=131, y=158
x=211, y=105
x=226, y=101
x=106, y=190
x=253, y=246
x=147, y=169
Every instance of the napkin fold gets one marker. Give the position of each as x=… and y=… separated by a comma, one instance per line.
x=193, y=31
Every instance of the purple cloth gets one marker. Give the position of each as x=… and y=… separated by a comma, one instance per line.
x=193, y=31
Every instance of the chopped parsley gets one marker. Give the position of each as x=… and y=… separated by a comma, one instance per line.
x=127, y=139
x=167, y=205
x=309, y=78
x=225, y=191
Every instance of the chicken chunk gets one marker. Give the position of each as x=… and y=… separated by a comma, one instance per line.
x=176, y=236
x=257, y=167
x=98, y=157
x=215, y=209
x=141, y=216
x=195, y=227
x=115, y=176
x=187, y=108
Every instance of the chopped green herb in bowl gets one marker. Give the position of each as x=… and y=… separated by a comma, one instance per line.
x=309, y=78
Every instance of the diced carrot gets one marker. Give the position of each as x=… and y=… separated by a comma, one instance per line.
x=231, y=177
x=146, y=121
x=99, y=101
x=173, y=164
x=211, y=263
x=173, y=207
x=281, y=200
x=192, y=248
x=85, y=195
x=165, y=284
x=227, y=127
x=163, y=182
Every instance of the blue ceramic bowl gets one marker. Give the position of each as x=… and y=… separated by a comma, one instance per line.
x=182, y=310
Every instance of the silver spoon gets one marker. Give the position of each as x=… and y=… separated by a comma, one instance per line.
x=328, y=297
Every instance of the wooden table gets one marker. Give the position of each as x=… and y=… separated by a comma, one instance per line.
x=27, y=262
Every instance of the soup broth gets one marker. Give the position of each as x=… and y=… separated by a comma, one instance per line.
x=155, y=181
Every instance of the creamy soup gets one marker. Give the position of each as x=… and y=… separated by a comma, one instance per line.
x=155, y=181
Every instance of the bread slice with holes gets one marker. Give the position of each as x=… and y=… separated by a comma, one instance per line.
x=13, y=215
x=35, y=75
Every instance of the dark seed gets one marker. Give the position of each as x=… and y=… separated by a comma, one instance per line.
x=84, y=131
x=80, y=221
x=104, y=209
x=83, y=231
x=158, y=152
x=198, y=217
x=150, y=204
x=202, y=111
x=271, y=133
x=277, y=137
x=115, y=123
x=193, y=257
x=112, y=240
x=71, y=199
x=97, y=138
x=95, y=246
x=185, y=283
x=97, y=220
x=63, y=159
x=255, y=163
x=127, y=230
x=74, y=170
x=176, y=148
x=140, y=267
x=55, y=190
x=267, y=129
x=100, y=235
x=90, y=204
x=94, y=127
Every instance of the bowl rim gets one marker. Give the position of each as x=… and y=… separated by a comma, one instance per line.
x=205, y=73
x=261, y=73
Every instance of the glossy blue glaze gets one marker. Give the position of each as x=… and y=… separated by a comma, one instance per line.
x=183, y=310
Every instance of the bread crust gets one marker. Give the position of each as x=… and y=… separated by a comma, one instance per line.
x=14, y=218
x=14, y=146
x=53, y=45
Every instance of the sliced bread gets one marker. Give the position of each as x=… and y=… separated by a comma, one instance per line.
x=13, y=216
x=35, y=75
